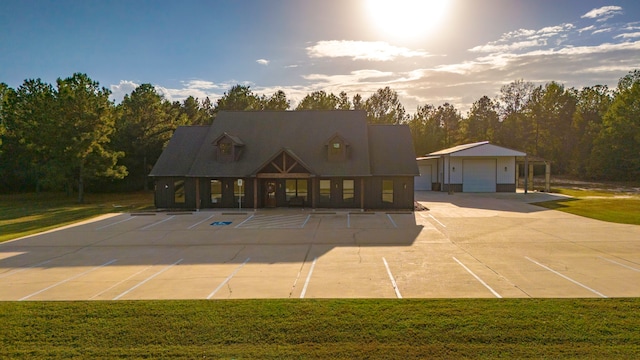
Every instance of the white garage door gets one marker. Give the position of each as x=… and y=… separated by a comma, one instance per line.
x=423, y=182
x=479, y=175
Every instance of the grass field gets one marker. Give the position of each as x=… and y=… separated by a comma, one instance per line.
x=26, y=214
x=323, y=329
x=611, y=206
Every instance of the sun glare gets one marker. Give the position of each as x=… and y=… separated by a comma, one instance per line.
x=407, y=19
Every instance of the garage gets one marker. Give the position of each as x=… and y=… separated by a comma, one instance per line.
x=423, y=182
x=479, y=175
x=477, y=167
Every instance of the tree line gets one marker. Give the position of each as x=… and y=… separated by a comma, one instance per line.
x=71, y=135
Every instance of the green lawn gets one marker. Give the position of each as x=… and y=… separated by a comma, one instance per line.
x=623, y=208
x=26, y=214
x=322, y=329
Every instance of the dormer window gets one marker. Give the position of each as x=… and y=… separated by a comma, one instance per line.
x=228, y=148
x=336, y=148
x=225, y=149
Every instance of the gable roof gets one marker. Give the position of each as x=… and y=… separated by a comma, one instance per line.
x=479, y=149
x=373, y=149
x=177, y=157
x=392, y=152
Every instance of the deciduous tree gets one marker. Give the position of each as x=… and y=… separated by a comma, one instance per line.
x=384, y=107
x=482, y=121
x=593, y=103
x=319, y=100
x=239, y=98
x=617, y=147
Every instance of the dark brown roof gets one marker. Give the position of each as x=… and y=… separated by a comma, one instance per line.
x=373, y=149
x=391, y=148
x=178, y=156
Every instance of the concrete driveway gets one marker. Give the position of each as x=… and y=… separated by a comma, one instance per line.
x=465, y=245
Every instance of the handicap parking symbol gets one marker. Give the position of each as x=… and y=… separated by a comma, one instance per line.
x=220, y=223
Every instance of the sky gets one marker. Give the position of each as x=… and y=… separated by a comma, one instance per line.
x=428, y=51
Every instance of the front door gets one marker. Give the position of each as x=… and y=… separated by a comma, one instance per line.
x=270, y=194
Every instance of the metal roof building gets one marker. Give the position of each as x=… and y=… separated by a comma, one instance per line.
x=287, y=158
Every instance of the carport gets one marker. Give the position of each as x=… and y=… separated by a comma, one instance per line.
x=529, y=163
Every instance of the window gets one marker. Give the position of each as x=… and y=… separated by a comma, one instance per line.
x=325, y=191
x=178, y=192
x=348, y=191
x=225, y=149
x=296, y=188
x=336, y=148
x=216, y=191
x=387, y=191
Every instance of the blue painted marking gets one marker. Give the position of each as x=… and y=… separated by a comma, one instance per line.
x=221, y=223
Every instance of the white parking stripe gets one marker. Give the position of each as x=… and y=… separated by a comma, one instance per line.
x=566, y=277
x=245, y=220
x=27, y=268
x=306, y=283
x=119, y=282
x=200, y=222
x=158, y=222
x=69, y=279
x=279, y=221
x=478, y=278
x=115, y=223
x=436, y=220
x=392, y=222
x=227, y=279
x=147, y=279
x=305, y=222
x=393, y=281
x=617, y=263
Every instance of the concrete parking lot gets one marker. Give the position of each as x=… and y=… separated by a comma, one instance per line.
x=465, y=245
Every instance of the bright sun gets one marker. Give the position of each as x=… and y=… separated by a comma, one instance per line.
x=407, y=19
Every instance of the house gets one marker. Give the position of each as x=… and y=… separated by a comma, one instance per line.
x=259, y=159
x=477, y=167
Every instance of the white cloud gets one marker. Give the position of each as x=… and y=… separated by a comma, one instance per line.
x=124, y=87
x=354, y=77
x=362, y=50
x=627, y=36
x=490, y=48
x=525, y=38
x=602, y=31
x=200, y=84
x=588, y=28
x=604, y=13
x=264, y=62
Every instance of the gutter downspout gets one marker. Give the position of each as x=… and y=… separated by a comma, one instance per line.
x=449, y=175
x=526, y=174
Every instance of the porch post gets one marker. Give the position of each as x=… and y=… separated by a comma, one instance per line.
x=547, y=176
x=361, y=193
x=449, y=174
x=526, y=174
x=255, y=193
x=197, y=194
x=314, y=194
x=531, y=177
